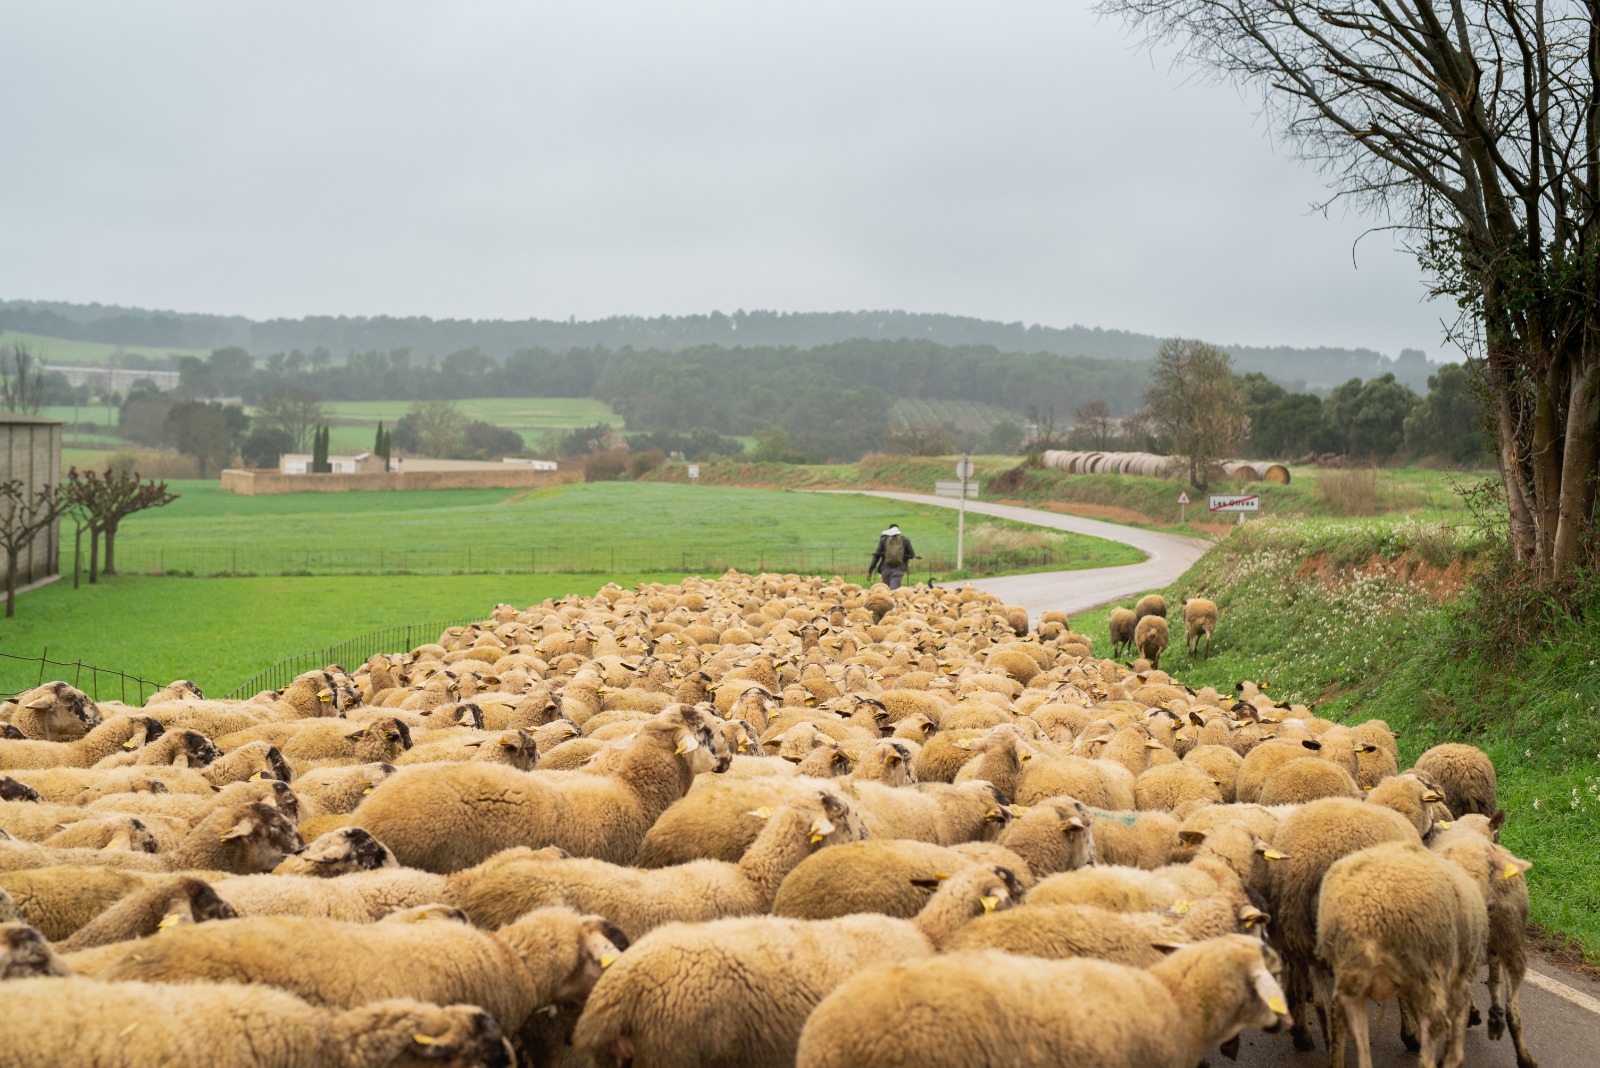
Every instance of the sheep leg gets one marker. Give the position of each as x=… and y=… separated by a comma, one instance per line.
x=1456, y=1050
x=1497, y=1009
x=1408, y=1027
x=1427, y=1043
x=1297, y=993
x=1355, y=1021
x=1514, y=1018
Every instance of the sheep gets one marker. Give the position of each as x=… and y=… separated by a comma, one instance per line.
x=637, y=900
x=1137, y=890
x=1150, y=638
x=1498, y=874
x=24, y=954
x=248, y=763
x=436, y=816
x=1313, y=837
x=1051, y=837
x=736, y=992
x=1133, y=839
x=989, y=1007
x=877, y=875
x=336, y=853
x=113, y=735
x=145, y=910
x=108, y=833
x=998, y=758
x=1305, y=779
x=1266, y=758
x=1394, y=919
x=51, y=712
x=546, y=956
x=707, y=823
x=85, y=1021
x=12, y=790
x=1199, y=617
x=59, y=900
x=1151, y=604
x=177, y=748
x=1165, y=787
x=242, y=838
x=1121, y=625
x=1097, y=783
x=1465, y=774
x=338, y=789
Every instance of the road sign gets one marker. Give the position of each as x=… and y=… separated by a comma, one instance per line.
x=952, y=488
x=1183, y=496
x=1220, y=503
x=694, y=470
x=964, y=468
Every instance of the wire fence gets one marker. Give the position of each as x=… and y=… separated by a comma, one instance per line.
x=637, y=556
x=104, y=684
x=347, y=654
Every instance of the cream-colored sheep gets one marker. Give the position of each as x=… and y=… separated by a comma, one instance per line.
x=439, y=816
x=1394, y=919
x=738, y=991
x=637, y=900
x=883, y=876
x=1199, y=618
x=548, y=955
x=226, y=1025
x=1465, y=774
x=1122, y=624
x=114, y=735
x=990, y=1007
x=158, y=905
x=51, y=712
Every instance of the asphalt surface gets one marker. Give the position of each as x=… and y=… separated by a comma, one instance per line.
x=1560, y=1006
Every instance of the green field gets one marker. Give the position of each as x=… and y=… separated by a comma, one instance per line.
x=352, y=423
x=1370, y=620
x=600, y=527
x=61, y=350
x=219, y=632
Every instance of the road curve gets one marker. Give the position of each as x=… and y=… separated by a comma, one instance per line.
x=1167, y=557
x=1560, y=1007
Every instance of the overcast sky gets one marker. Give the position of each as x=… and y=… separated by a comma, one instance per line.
x=1013, y=160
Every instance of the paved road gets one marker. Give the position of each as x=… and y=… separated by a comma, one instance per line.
x=1168, y=556
x=1560, y=1008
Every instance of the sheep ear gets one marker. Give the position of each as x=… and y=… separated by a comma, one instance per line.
x=1268, y=990
x=355, y=736
x=1497, y=820
x=1168, y=946
x=39, y=704
x=1191, y=838
x=1249, y=916
x=241, y=829
x=687, y=744
x=926, y=884
x=1514, y=866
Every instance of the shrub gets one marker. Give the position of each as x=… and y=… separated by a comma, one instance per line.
x=645, y=462
x=1353, y=492
x=608, y=466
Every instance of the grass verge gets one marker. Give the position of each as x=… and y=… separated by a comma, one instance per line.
x=1368, y=620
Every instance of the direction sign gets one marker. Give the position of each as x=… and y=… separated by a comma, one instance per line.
x=1183, y=496
x=1220, y=503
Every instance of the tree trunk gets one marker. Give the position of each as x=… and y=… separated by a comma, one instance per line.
x=11, y=585
x=110, y=567
x=1574, y=525
x=94, y=555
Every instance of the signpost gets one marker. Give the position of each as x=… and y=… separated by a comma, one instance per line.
x=963, y=472
x=694, y=472
x=1223, y=503
x=1183, y=504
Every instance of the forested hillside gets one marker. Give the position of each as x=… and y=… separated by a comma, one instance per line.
x=425, y=338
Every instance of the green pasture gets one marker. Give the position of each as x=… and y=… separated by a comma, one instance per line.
x=219, y=632
x=1351, y=618
x=61, y=350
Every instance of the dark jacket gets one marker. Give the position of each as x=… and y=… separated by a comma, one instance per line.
x=877, y=557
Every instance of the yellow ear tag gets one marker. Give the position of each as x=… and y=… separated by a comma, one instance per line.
x=1178, y=735
x=423, y=1040
x=171, y=919
x=111, y=847
x=325, y=696
x=1272, y=854
x=963, y=743
x=257, y=776
x=368, y=790
x=1510, y=871
x=1275, y=1003
x=608, y=960
x=130, y=744
x=763, y=813
x=1182, y=907
x=989, y=903
x=1019, y=810
x=816, y=837
x=1446, y=824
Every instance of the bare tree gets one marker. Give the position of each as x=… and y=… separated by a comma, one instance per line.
x=24, y=515
x=1195, y=407
x=102, y=501
x=1094, y=420
x=1474, y=127
x=438, y=425
x=293, y=411
x=21, y=379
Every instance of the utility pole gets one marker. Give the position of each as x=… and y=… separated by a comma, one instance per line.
x=963, y=472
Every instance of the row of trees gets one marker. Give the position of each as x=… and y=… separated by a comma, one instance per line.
x=98, y=502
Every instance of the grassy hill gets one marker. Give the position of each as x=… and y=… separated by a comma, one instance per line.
x=66, y=351
x=1380, y=619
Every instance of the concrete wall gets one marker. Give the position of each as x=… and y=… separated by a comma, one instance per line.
x=30, y=450
x=255, y=483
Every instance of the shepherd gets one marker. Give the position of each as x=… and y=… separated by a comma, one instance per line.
x=893, y=555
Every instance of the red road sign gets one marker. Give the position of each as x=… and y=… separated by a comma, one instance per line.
x=1183, y=496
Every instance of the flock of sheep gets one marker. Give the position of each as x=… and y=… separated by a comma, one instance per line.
x=762, y=820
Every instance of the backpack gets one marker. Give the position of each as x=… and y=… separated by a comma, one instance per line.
x=894, y=551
